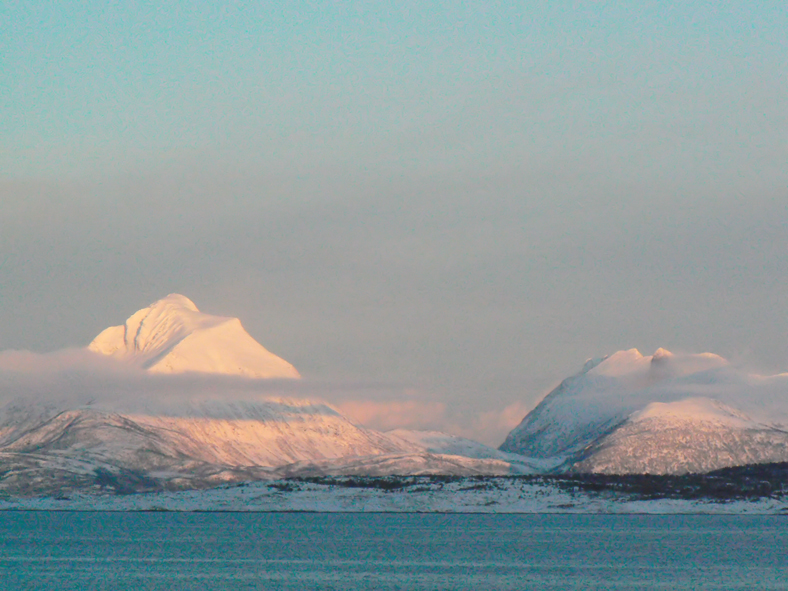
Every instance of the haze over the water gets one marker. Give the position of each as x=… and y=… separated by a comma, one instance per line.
x=467, y=202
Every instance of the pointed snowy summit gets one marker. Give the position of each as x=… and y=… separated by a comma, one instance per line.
x=173, y=336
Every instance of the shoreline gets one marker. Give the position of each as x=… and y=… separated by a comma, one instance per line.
x=407, y=495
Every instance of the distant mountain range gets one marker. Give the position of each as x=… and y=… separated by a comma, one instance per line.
x=626, y=413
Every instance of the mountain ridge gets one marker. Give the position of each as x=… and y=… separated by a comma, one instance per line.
x=208, y=418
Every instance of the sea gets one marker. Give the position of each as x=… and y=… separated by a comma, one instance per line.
x=318, y=551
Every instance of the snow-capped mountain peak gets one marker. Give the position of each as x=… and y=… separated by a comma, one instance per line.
x=621, y=363
x=661, y=355
x=173, y=336
x=660, y=413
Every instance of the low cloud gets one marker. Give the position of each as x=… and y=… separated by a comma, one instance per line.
x=491, y=427
x=71, y=378
x=395, y=414
x=77, y=377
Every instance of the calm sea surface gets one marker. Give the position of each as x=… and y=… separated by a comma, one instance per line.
x=43, y=550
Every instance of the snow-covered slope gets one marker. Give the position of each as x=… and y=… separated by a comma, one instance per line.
x=692, y=435
x=402, y=464
x=425, y=452
x=264, y=433
x=663, y=413
x=173, y=336
x=204, y=444
x=436, y=442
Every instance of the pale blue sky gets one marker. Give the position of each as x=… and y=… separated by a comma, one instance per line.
x=473, y=197
x=97, y=87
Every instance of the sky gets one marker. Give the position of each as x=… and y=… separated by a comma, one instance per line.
x=459, y=202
